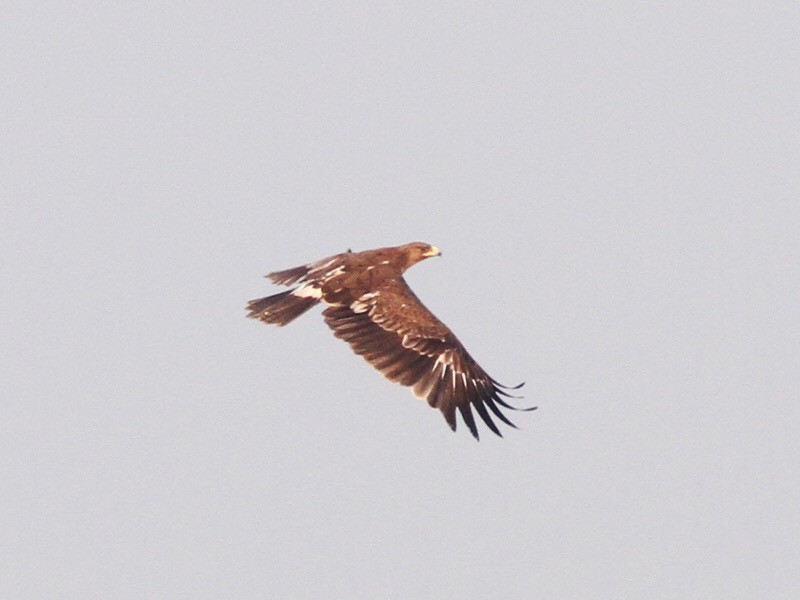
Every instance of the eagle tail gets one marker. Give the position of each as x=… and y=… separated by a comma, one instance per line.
x=289, y=276
x=280, y=309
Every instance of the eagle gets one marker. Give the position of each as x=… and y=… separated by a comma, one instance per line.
x=371, y=307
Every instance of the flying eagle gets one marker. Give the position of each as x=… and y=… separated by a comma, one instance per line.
x=371, y=307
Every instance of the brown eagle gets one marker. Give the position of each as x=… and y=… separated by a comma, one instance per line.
x=371, y=307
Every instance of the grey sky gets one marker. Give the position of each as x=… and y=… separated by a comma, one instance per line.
x=615, y=192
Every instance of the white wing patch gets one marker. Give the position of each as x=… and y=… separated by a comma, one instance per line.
x=362, y=304
x=334, y=272
x=307, y=291
x=317, y=267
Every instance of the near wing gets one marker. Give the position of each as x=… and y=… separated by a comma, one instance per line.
x=399, y=336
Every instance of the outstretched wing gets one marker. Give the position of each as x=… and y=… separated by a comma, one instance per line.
x=392, y=329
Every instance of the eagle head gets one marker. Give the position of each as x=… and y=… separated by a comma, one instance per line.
x=417, y=251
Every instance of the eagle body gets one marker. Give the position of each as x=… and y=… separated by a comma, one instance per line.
x=372, y=308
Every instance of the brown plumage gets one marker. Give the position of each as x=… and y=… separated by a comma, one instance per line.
x=370, y=306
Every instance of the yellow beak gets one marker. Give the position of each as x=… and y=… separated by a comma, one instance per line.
x=432, y=251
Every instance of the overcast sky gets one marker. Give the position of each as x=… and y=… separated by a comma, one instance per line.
x=615, y=193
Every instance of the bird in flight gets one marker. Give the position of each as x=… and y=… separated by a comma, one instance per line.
x=370, y=306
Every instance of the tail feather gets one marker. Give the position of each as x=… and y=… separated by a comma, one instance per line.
x=289, y=276
x=279, y=309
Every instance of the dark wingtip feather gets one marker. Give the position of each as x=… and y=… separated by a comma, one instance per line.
x=484, y=415
x=499, y=390
x=466, y=414
x=505, y=404
x=490, y=403
x=506, y=394
x=506, y=387
x=449, y=413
